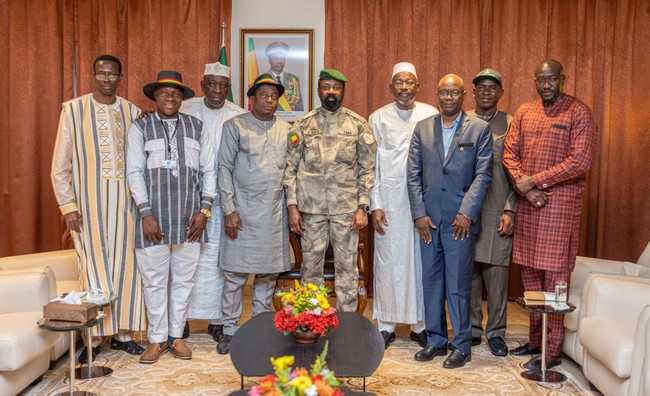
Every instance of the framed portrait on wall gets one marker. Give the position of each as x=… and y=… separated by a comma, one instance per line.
x=288, y=56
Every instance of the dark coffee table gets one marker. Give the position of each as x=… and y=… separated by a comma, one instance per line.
x=355, y=347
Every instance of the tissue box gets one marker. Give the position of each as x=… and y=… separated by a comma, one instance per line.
x=70, y=312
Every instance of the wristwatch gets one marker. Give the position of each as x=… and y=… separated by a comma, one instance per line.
x=365, y=208
x=206, y=212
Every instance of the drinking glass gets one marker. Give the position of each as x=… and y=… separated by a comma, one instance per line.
x=560, y=295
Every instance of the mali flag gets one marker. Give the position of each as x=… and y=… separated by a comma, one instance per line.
x=253, y=71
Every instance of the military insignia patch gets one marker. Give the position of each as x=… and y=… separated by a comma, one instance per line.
x=293, y=138
x=368, y=138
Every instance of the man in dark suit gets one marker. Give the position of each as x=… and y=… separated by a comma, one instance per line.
x=449, y=171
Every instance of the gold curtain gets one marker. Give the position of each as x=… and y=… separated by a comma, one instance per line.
x=603, y=45
x=40, y=41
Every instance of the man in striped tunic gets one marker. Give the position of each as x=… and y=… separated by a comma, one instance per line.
x=170, y=170
x=88, y=177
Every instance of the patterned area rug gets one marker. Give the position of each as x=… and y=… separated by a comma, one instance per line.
x=209, y=373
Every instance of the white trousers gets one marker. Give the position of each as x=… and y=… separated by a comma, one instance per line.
x=167, y=273
x=390, y=326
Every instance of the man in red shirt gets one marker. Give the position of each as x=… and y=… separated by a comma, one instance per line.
x=547, y=154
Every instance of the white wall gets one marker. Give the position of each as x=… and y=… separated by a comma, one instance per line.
x=279, y=14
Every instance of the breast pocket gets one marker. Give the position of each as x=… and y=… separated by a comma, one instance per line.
x=347, y=150
x=312, y=153
x=192, y=153
x=156, y=150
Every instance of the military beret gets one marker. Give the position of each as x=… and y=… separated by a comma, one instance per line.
x=334, y=74
x=277, y=48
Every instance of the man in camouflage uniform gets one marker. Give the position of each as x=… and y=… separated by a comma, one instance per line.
x=277, y=53
x=328, y=180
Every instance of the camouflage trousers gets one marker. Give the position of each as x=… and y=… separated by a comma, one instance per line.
x=320, y=230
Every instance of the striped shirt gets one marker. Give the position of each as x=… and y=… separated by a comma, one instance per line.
x=155, y=188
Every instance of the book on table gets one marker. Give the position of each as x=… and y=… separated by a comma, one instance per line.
x=539, y=298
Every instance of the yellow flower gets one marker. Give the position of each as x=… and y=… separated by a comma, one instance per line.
x=289, y=298
x=322, y=301
x=312, y=287
x=282, y=363
x=302, y=382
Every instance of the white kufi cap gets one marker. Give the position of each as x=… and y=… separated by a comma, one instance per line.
x=217, y=69
x=403, y=67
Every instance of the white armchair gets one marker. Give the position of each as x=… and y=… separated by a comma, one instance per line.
x=24, y=347
x=63, y=275
x=614, y=332
x=584, y=266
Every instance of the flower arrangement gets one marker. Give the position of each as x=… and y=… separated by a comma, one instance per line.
x=319, y=381
x=305, y=308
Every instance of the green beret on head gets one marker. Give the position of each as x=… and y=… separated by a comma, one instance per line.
x=333, y=73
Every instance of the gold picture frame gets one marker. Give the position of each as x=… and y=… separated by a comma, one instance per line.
x=288, y=54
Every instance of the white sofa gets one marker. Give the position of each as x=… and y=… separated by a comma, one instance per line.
x=24, y=348
x=63, y=272
x=584, y=266
x=615, y=334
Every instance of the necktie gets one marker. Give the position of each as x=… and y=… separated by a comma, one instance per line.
x=279, y=81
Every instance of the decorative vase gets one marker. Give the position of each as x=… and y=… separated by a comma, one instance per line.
x=305, y=337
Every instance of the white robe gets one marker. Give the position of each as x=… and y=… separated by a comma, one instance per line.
x=205, y=299
x=397, y=267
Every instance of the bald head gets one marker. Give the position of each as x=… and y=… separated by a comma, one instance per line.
x=551, y=64
x=451, y=93
x=452, y=78
x=549, y=80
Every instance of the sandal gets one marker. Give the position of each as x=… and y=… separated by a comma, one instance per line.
x=129, y=347
x=83, y=357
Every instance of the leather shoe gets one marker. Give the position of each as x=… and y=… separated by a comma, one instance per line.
x=526, y=350
x=389, y=338
x=153, y=352
x=186, y=330
x=536, y=363
x=83, y=357
x=498, y=346
x=457, y=359
x=429, y=352
x=180, y=350
x=216, y=331
x=420, y=338
x=223, y=347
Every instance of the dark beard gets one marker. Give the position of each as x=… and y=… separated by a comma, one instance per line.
x=331, y=105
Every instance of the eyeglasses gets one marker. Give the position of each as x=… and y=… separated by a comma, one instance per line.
x=543, y=80
x=173, y=94
x=445, y=94
x=266, y=96
x=491, y=89
x=107, y=77
x=213, y=85
x=405, y=84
